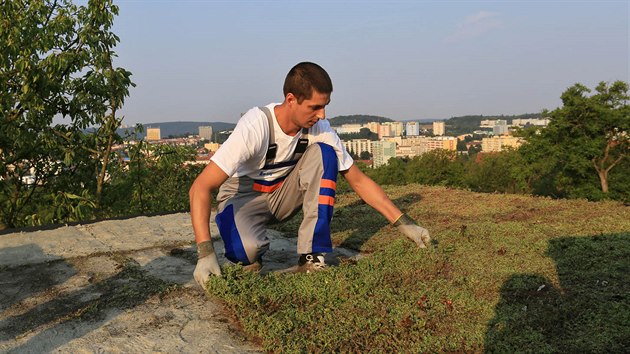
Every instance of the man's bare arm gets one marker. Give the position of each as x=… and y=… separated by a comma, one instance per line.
x=371, y=193
x=375, y=197
x=200, y=199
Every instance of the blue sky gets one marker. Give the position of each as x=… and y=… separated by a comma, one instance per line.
x=211, y=60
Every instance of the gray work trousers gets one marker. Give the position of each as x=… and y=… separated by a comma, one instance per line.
x=246, y=206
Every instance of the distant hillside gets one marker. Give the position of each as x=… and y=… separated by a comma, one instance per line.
x=357, y=119
x=467, y=124
x=179, y=128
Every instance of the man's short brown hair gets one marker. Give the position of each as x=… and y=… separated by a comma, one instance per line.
x=305, y=77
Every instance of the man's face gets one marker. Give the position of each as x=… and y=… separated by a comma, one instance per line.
x=307, y=113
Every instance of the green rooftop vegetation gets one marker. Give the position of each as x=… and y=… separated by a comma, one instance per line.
x=505, y=273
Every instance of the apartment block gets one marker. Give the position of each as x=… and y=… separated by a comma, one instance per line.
x=373, y=126
x=397, y=128
x=153, y=134
x=488, y=123
x=212, y=147
x=439, y=128
x=348, y=128
x=524, y=122
x=205, y=132
x=358, y=146
x=500, y=129
x=384, y=130
x=414, y=146
x=499, y=143
x=441, y=142
x=412, y=128
x=382, y=151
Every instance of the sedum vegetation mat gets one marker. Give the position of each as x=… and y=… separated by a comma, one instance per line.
x=505, y=273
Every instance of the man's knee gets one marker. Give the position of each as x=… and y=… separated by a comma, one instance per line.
x=254, y=248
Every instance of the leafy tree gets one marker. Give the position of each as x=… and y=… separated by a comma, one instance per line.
x=391, y=173
x=154, y=179
x=436, y=167
x=503, y=172
x=365, y=155
x=56, y=62
x=585, y=140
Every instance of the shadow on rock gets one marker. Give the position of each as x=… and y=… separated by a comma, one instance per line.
x=84, y=309
x=17, y=284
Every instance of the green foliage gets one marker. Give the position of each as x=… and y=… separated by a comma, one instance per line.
x=56, y=62
x=585, y=142
x=391, y=173
x=499, y=172
x=437, y=167
x=155, y=179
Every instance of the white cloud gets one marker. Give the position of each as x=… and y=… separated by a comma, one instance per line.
x=475, y=26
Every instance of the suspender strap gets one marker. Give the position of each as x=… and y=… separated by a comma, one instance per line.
x=273, y=147
x=301, y=145
x=300, y=148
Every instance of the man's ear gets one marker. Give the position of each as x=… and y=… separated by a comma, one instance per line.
x=290, y=98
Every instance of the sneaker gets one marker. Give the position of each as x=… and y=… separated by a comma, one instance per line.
x=311, y=262
x=254, y=267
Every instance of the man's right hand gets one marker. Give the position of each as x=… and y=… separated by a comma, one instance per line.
x=417, y=234
x=207, y=264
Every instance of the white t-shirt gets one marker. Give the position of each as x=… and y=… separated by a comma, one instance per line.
x=244, y=152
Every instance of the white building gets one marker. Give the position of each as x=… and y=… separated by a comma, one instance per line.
x=500, y=128
x=487, y=123
x=348, y=128
x=524, y=122
x=357, y=146
x=412, y=128
x=439, y=128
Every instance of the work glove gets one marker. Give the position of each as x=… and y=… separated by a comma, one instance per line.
x=417, y=234
x=206, y=264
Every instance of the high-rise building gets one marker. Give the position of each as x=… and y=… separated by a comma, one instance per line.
x=205, y=132
x=153, y=134
x=439, y=128
x=500, y=128
x=397, y=128
x=373, y=126
x=383, y=151
x=412, y=128
x=384, y=130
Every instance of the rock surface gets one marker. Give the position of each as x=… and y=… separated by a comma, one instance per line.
x=120, y=286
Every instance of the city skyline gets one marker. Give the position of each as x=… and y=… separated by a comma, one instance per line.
x=213, y=60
